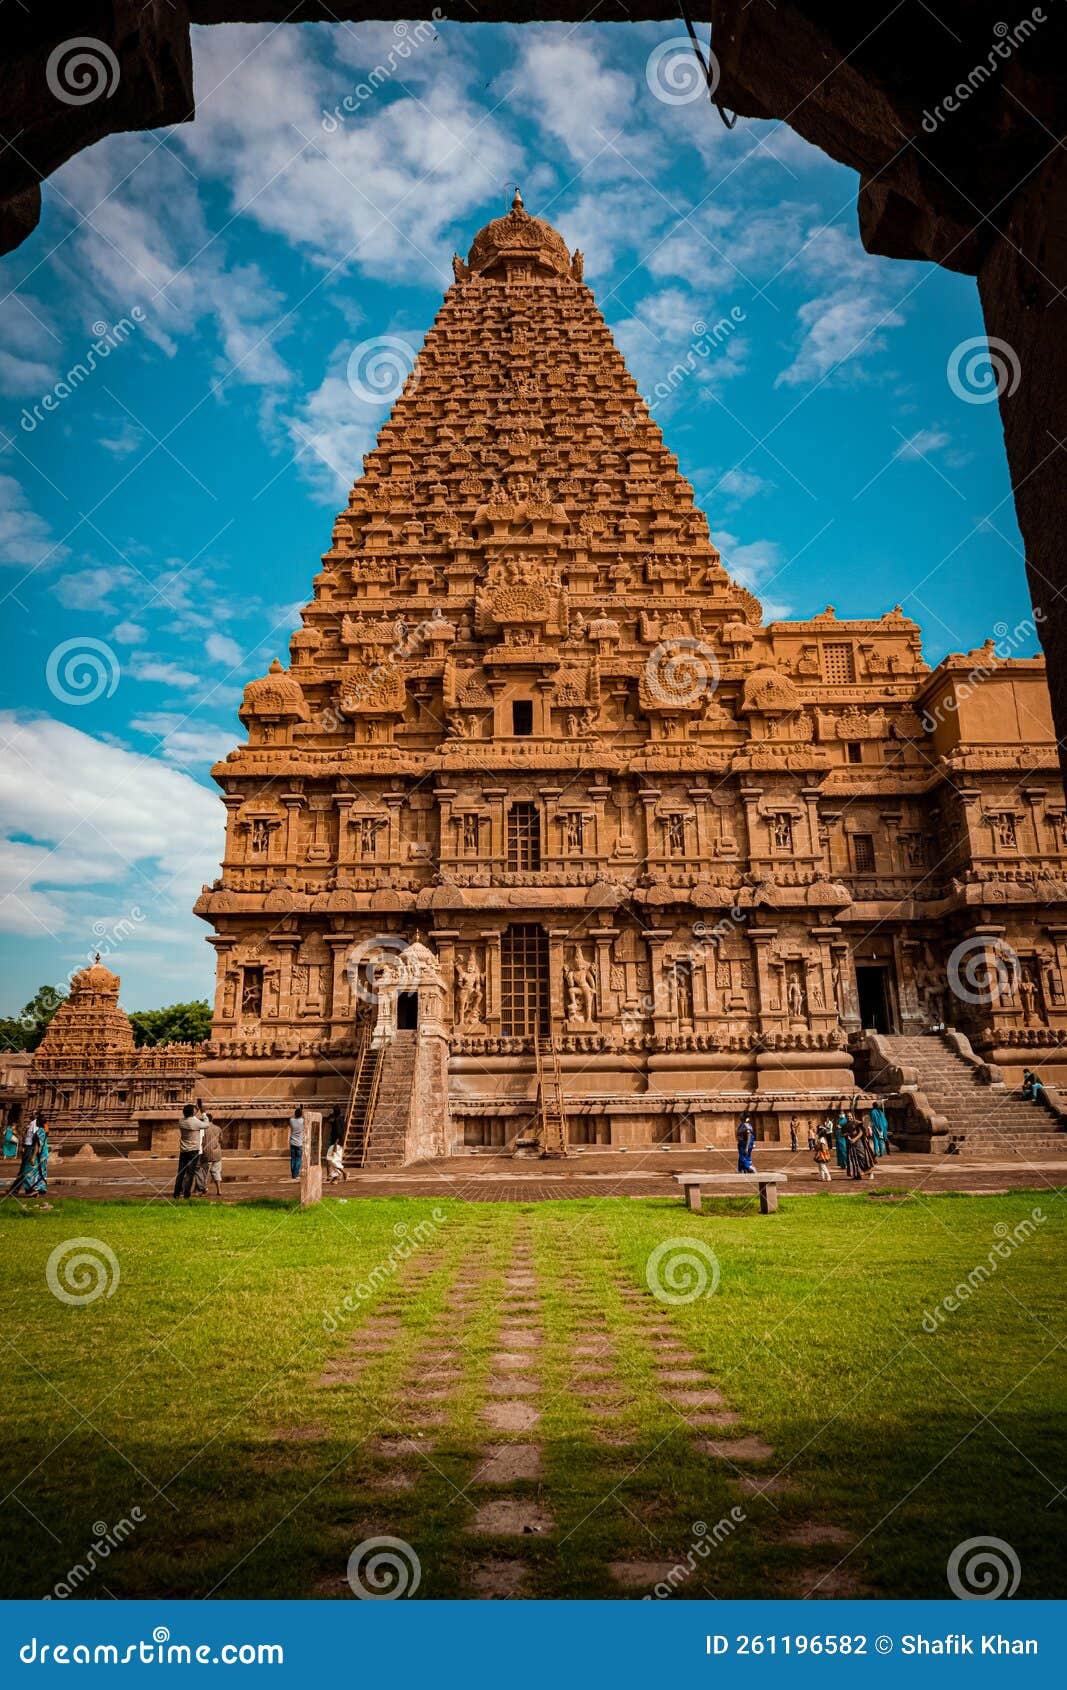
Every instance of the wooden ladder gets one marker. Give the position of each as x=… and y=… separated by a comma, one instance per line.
x=551, y=1111
x=361, y=1104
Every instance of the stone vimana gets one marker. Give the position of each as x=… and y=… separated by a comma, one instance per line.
x=544, y=832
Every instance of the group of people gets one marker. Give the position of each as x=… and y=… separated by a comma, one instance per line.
x=199, y=1152
x=30, y=1144
x=335, y=1155
x=857, y=1142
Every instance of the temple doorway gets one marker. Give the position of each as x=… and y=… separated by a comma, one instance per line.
x=876, y=1002
x=407, y=1012
x=524, y=982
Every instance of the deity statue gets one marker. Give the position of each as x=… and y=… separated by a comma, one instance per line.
x=794, y=993
x=580, y=981
x=1028, y=994
x=470, y=982
x=574, y=832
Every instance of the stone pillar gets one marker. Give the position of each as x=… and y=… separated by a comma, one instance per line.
x=650, y=847
x=491, y=938
x=497, y=797
x=656, y=939
x=342, y=1013
x=607, y=1007
x=848, y=1007
x=700, y=796
x=754, y=827
x=293, y=802
x=444, y=939
x=770, y=1020
x=810, y=795
x=557, y=1007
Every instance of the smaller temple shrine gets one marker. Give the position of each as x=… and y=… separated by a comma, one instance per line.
x=90, y=1078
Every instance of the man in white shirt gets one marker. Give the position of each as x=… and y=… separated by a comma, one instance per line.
x=296, y=1140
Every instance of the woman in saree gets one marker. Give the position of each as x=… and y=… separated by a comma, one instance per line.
x=35, y=1182
x=860, y=1158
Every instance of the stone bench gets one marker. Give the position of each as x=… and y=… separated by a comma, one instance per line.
x=767, y=1184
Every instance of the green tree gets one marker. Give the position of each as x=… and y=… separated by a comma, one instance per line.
x=25, y=1030
x=178, y=1023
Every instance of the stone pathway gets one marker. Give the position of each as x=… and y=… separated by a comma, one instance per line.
x=551, y=1425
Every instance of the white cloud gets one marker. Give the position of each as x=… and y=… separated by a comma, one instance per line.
x=737, y=485
x=222, y=649
x=923, y=442
x=330, y=435
x=845, y=323
x=29, y=346
x=750, y=563
x=85, y=818
x=129, y=633
x=97, y=587
x=839, y=330
x=25, y=538
x=380, y=191
x=183, y=740
x=166, y=674
x=563, y=81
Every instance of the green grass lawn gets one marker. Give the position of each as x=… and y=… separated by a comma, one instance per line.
x=193, y=1394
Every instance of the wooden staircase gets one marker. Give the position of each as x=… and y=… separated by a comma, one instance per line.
x=362, y=1103
x=551, y=1110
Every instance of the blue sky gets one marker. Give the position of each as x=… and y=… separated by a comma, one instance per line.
x=161, y=524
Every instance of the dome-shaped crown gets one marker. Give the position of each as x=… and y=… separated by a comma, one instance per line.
x=95, y=978
x=274, y=694
x=519, y=236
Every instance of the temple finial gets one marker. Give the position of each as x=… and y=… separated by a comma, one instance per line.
x=516, y=204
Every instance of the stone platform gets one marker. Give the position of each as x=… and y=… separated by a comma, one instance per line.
x=500, y=1179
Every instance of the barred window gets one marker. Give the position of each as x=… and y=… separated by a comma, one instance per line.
x=838, y=664
x=863, y=853
x=524, y=838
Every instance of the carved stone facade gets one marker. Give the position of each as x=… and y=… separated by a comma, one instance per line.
x=529, y=713
x=92, y=1081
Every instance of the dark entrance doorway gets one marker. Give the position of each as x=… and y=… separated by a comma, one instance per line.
x=407, y=1012
x=523, y=982
x=876, y=1006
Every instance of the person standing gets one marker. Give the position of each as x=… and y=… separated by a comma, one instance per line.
x=36, y=1178
x=211, y=1156
x=190, y=1138
x=11, y=1132
x=822, y=1156
x=746, y=1141
x=27, y=1146
x=296, y=1141
x=29, y=1167
x=335, y=1162
x=841, y=1141
x=880, y=1130
x=794, y=1141
x=337, y=1127
x=859, y=1160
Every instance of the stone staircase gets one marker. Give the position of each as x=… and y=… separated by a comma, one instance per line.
x=982, y=1119
x=388, y=1128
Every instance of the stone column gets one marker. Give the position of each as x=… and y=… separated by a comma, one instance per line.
x=848, y=1003
x=770, y=1020
x=662, y=1022
x=342, y=1013
x=491, y=938
x=810, y=795
x=498, y=832
x=649, y=796
x=293, y=802
x=754, y=825
x=556, y=1005
x=607, y=1008
x=444, y=939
